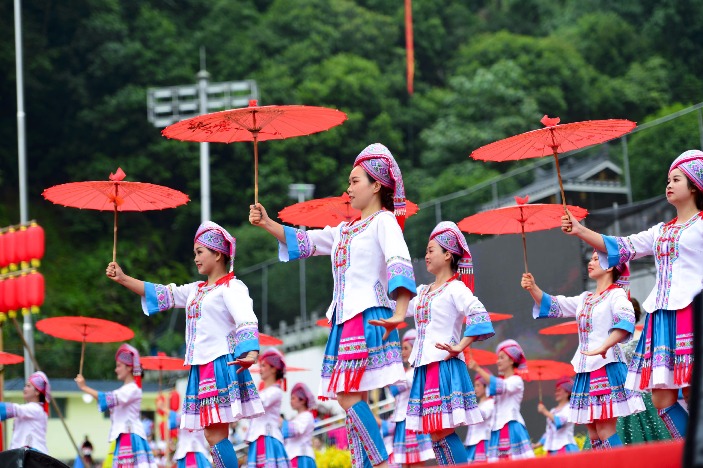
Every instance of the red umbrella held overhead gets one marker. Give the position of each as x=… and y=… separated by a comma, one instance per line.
x=255, y=123
x=7, y=359
x=545, y=369
x=552, y=140
x=85, y=330
x=519, y=219
x=330, y=211
x=568, y=328
x=481, y=356
x=268, y=340
x=115, y=195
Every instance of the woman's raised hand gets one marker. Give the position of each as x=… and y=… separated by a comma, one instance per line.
x=527, y=282
x=114, y=272
x=569, y=224
x=258, y=215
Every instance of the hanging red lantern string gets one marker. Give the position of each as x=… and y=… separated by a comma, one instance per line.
x=35, y=244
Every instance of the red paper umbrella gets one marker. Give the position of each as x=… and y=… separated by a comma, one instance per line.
x=115, y=195
x=568, y=328
x=161, y=363
x=7, y=359
x=330, y=211
x=255, y=124
x=496, y=317
x=552, y=140
x=268, y=340
x=85, y=330
x=544, y=369
x=519, y=219
x=482, y=357
x=325, y=324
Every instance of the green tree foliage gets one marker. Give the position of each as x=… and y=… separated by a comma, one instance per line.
x=484, y=70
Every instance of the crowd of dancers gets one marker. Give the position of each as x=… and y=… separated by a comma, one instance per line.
x=374, y=291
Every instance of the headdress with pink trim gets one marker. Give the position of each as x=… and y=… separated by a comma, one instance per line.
x=215, y=237
x=128, y=354
x=448, y=235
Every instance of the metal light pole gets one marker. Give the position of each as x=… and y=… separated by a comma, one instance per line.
x=302, y=192
x=22, y=170
x=169, y=105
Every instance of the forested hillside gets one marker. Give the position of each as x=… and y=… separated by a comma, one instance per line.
x=484, y=70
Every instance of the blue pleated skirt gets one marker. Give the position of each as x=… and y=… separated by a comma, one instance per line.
x=384, y=365
x=140, y=456
x=303, y=462
x=568, y=448
x=478, y=452
x=459, y=406
x=201, y=461
x=237, y=397
x=275, y=454
x=516, y=446
x=586, y=408
x=410, y=447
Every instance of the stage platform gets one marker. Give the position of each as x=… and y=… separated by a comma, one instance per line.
x=648, y=455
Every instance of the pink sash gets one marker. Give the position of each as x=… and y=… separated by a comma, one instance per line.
x=207, y=390
x=683, y=362
x=432, y=400
x=191, y=461
x=412, y=451
x=504, y=442
x=125, y=455
x=353, y=355
x=260, y=452
x=600, y=386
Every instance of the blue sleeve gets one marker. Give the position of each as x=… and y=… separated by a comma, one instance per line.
x=482, y=330
x=611, y=247
x=559, y=422
x=545, y=306
x=173, y=420
x=284, y=429
x=394, y=390
x=7, y=411
x=291, y=242
x=106, y=400
x=151, y=302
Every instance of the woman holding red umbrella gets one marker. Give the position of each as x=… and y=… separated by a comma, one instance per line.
x=124, y=404
x=663, y=360
x=222, y=339
x=31, y=418
x=559, y=434
x=605, y=318
x=371, y=266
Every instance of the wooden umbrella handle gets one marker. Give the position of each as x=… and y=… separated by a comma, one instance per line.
x=114, y=237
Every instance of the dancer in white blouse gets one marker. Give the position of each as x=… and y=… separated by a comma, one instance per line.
x=605, y=318
x=479, y=435
x=29, y=429
x=126, y=429
x=298, y=431
x=222, y=339
x=509, y=437
x=559, y=434
x=663, y=360
x=371, y=267
x=442, y=395
x=264, y=435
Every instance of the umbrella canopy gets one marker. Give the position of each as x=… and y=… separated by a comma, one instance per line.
x=325, y=324
x=496, y=317
x=268, y=340
x=255, y=123
x=161, y=362
x=545, y=369
x=481, y=356
x=568, y=328
x=115, y=195
x=552, y=140
x=519, y=219
x=85, y=330
x=330, y=211
x=7, y=359
x=255, y=369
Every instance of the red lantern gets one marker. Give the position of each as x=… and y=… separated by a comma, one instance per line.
x=21, y=292
x=9, y=292
x=11, y=249
x=175, y=401
x=35, y=243
x=34, y=283
x=21, y=247
x=3, y=255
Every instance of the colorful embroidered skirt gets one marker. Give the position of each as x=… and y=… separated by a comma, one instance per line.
x=193, y=460
x=133, y=451
x=231, y=396
x=362, y=360
x=452, y=404
x=267, y=452
x=664, y=354
x=568, y=448
x=478, y=452
x=510, y=442
x=601, y=394
x=303, y=462
x=410, y=447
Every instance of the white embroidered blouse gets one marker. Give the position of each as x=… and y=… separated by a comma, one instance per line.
x=298, y=435
x=507, y=395
x=29, y=428
x=267, y=424
x=124, y=405
x=370, y=261
x=482, y=431
x=559, y=432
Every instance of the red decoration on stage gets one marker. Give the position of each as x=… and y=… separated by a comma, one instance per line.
x=330, y=211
